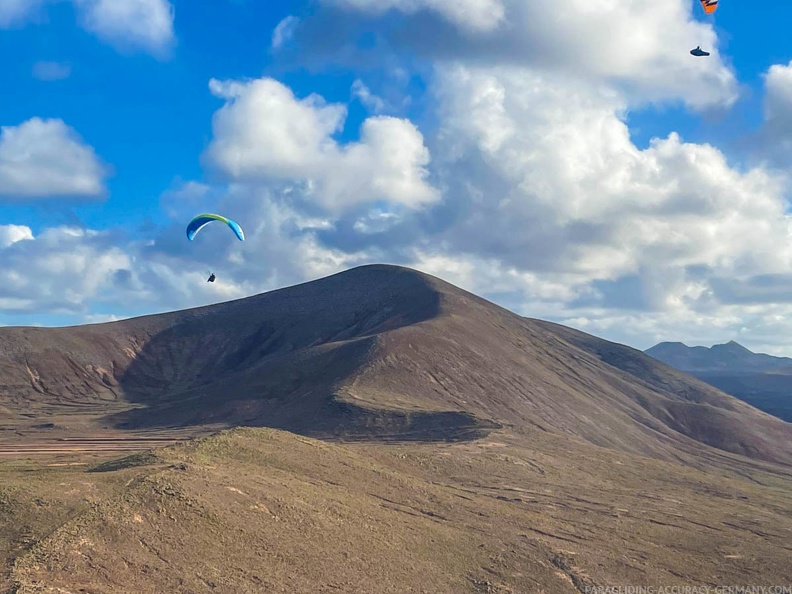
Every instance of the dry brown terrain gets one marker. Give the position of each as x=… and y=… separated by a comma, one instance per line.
x=259, y=510
x=461, y=448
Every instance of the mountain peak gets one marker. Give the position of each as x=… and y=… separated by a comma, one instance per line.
x=729, y=357
x=733, y=347
x=377, y=351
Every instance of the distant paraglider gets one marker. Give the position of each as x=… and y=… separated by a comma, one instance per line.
x=202, y=220
x=709, y=6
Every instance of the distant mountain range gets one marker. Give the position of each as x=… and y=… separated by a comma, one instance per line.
x=730, y=357
x=759, y=379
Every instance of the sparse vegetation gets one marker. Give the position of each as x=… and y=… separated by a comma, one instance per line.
x=264, y=510
x=141, y=459
x=448, y=446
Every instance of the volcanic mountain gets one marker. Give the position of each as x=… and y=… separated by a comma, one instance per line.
x=760, y=380
x=376, y=352
x=462, y=448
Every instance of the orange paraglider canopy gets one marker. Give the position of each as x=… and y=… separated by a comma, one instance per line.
x=709, y=6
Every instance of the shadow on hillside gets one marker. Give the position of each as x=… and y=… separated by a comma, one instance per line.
x=277, y=360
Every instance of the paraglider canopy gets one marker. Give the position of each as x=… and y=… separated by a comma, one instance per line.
x=709, y=6
x=202, y=220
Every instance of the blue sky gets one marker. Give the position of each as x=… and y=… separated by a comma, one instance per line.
x=580, y=167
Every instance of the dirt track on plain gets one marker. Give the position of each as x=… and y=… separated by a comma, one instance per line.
x=111, y=443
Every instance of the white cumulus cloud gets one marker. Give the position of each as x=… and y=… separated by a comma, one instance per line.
x=125, y=24
x=778, y=99
x=45, y=158
x=369, y=100
x=774, y=140
x=557, y=170
x=471, y=15
x=130, y=24
x=58, y=270
x=641, y=46
x=10, y=234
x=265, y=132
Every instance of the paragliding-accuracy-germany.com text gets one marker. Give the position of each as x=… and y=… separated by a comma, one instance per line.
x=687, y=589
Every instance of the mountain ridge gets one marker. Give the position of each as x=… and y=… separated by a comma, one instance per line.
x=761, y=380
x=375, y=352
x=730, y=356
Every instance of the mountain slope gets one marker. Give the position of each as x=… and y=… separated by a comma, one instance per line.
x=377, y=351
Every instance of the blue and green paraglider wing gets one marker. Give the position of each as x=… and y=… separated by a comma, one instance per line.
x=202, y=220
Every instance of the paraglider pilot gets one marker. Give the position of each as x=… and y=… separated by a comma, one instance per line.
x=211, y=278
